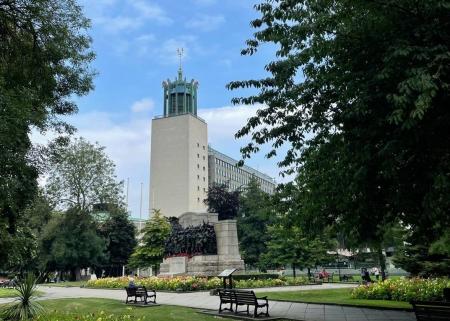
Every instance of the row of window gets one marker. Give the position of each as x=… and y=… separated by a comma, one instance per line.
x=239, y=175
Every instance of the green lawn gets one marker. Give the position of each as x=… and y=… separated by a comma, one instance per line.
x=113, y=310
x=336, y=296
x=66, y=284
x=7, y=293
x=10, y=293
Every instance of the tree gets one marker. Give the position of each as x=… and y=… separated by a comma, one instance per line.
x=120, y=235
x=222, y=201
x=70, y=242
x=22, y=248
x=150, y=250
x=44, y=61
x=362, y=88
x=288, y=244
x=254, y=216
x=82, y=175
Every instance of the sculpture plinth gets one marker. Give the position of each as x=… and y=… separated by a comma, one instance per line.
x=227, y=257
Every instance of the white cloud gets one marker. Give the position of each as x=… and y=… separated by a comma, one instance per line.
x=150, y=11
x=205, y=22
x=143, y=105
x=133, y=15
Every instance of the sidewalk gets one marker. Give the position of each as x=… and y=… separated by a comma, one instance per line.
x=202, y=300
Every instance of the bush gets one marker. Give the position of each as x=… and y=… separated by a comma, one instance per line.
x=24, y=307
x=256, y=276
x=403, y=290
x=191, y=283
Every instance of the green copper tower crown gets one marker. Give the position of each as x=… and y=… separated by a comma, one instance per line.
x=180, y=96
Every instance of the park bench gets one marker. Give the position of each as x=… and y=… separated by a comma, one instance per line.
x=249, y=298
x=346, y=278
x=431, y=311
x=226, y=297
x=242, y=297
x=140, y=292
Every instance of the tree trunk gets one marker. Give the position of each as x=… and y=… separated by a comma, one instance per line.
x=382, y=262
x=309, y=273
x=293, y=270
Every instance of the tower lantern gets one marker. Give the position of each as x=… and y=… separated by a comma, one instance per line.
x=180, y=96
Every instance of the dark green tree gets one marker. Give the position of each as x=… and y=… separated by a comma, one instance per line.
x=150, y=251
x=70, y=242
x=120, y=235
x=222, y=201
x=254, y=216
x=362, y=88
x=44, y=62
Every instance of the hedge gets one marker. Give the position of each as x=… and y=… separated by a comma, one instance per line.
x=403, y=290
x=191, y=283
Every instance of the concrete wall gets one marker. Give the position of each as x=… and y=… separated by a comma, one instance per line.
x=179, y=165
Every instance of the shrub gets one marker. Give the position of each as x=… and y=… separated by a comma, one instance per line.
x=191, y=283
x=24, y=307
x=403, y=290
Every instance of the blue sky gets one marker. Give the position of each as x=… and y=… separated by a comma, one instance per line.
x=135, y=42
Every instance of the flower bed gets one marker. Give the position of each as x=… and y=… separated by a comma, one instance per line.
x=403, y=290
x=191, y=283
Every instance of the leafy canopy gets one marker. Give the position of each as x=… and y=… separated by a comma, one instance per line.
x=44, y=62
x=358, y=92
x=222, y=201
x=150, y=250
x=82, y=175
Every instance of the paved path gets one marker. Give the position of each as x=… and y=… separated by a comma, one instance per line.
x=202, y=300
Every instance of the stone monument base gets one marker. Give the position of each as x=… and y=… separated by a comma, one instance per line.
x=227, y=257
x=200, y=265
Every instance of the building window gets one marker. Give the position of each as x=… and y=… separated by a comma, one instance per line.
x=203, y=157
x=204, y=179
x=198, y=155
x=203, y=167
x=198, y=176
x=198, y=166
x=198, y=188
x=198, y=199
x=203, y=147
x=198, y=144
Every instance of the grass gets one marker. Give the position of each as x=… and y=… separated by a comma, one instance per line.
x=11, y=293
x=66, y=284
x=94, y=309
x=7, y=293
x=335, y=296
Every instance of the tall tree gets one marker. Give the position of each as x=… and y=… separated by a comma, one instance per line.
x=70, y=242
x=365, y=83
x=120, y=235
x=44, y=61
x=150, y=251
x=222, y=201
x=254, y=216
x=82, y=175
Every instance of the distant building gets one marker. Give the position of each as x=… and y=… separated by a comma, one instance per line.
x=182, y=165
x=222, y=169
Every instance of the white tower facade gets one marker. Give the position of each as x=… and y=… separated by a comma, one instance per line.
x=179, y=153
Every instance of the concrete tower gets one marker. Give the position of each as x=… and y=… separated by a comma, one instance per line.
x=179, y=152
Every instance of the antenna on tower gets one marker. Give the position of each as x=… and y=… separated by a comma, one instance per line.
x=180, y=53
